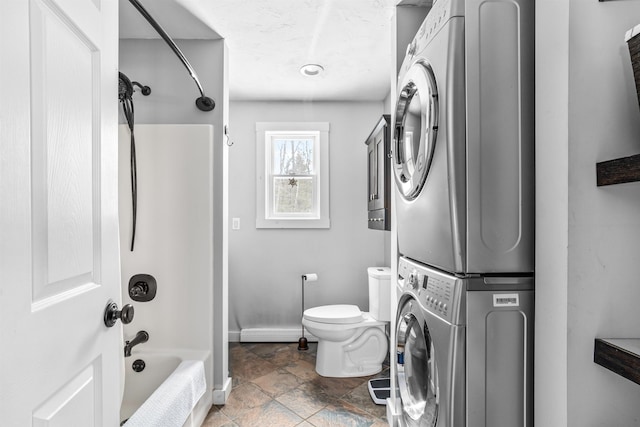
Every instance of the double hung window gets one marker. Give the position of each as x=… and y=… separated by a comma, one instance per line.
x=293, y=185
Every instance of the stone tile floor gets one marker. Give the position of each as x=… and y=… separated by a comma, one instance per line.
x=274, y=384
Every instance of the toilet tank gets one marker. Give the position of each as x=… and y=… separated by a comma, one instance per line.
x=379, y=293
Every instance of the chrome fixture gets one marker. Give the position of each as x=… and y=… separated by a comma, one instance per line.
x=141, y=337
x=204, y=103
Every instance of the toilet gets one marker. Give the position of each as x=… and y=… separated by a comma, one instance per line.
x=352, y=343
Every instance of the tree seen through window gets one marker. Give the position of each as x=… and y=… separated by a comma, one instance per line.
x=293, y=175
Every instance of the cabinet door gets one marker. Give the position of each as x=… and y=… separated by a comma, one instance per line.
x=378, y=201
x=379, y=165
x=373, y=175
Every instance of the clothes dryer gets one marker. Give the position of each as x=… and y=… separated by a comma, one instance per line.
x=463, y=139
x=463, y=163
x=463, y=350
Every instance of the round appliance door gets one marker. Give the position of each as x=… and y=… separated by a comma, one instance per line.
x=416, y=370
x=415, y=129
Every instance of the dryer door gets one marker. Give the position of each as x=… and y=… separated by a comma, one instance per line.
x=416, y=370
x=416, y=126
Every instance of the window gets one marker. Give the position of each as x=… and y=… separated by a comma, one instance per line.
x=293, y=175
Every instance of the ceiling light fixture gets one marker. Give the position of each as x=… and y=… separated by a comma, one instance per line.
x=311, y=70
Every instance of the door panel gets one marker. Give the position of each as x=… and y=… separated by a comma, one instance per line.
x=72, y=405
x=373, y=175
x=59, y=247
x=64, y=147
x=381, y=153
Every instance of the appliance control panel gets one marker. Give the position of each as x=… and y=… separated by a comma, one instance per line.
x=440, y=13
x=439, y=293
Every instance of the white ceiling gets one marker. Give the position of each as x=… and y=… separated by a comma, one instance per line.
x=269, y=40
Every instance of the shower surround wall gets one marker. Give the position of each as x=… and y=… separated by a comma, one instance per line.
x=174, y=233
x=173, y=236
x=173, y=93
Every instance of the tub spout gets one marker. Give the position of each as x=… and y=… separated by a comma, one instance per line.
x=141, y=336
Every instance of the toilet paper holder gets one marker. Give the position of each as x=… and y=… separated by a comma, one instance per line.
x=303, y=345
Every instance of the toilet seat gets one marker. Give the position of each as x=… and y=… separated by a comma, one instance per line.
x=334, y=314
x=366, y=322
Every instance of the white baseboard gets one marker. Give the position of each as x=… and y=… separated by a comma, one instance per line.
x=233, y=336
x=273, y=335
x=220, y=396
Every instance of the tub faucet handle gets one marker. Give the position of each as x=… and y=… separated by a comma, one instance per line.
x=139, y=289
x=142, y=287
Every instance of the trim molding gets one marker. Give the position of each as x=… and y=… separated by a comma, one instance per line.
x=273, y=335
x=220, y=396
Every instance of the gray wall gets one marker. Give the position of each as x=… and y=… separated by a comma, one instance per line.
x=586, y=247
x=265, y=265
x=173, y=92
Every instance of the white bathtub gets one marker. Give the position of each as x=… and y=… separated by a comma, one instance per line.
x=159, y=364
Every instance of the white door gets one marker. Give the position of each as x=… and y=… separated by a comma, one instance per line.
x=59, y=363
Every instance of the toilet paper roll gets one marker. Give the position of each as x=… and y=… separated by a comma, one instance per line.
x=310, y=277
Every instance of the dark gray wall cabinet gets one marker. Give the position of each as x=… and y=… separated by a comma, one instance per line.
x=379, y=169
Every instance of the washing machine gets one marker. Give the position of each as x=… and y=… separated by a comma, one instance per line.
x=463, y=162
x=463, y=148
x=463, y=350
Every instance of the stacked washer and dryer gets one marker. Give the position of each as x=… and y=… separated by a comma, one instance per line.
x=463, y=157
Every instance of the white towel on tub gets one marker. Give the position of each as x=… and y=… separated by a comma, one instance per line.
x=172, y=402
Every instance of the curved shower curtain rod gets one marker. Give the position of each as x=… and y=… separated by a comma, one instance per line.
x=204, y=103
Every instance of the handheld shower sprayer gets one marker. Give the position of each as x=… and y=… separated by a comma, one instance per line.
x=125, y=95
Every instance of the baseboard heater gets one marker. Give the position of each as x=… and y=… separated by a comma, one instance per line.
x=274, y=335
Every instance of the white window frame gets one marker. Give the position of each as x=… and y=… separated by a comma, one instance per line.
x=265, y=218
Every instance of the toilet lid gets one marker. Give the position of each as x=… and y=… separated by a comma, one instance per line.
x=341, y=313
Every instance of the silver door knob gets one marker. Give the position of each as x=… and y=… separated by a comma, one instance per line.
x=112, y=314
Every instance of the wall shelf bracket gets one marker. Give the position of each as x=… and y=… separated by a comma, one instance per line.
x=619, y=355
x=618, y=171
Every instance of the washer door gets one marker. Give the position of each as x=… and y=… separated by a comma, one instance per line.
x=416, y=370
x=416, y=126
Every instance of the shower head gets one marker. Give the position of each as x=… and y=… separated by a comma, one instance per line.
x=125, y=87
x=204, y=103
x=145, y=90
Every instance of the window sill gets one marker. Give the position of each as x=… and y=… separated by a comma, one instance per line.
x=293, y=223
